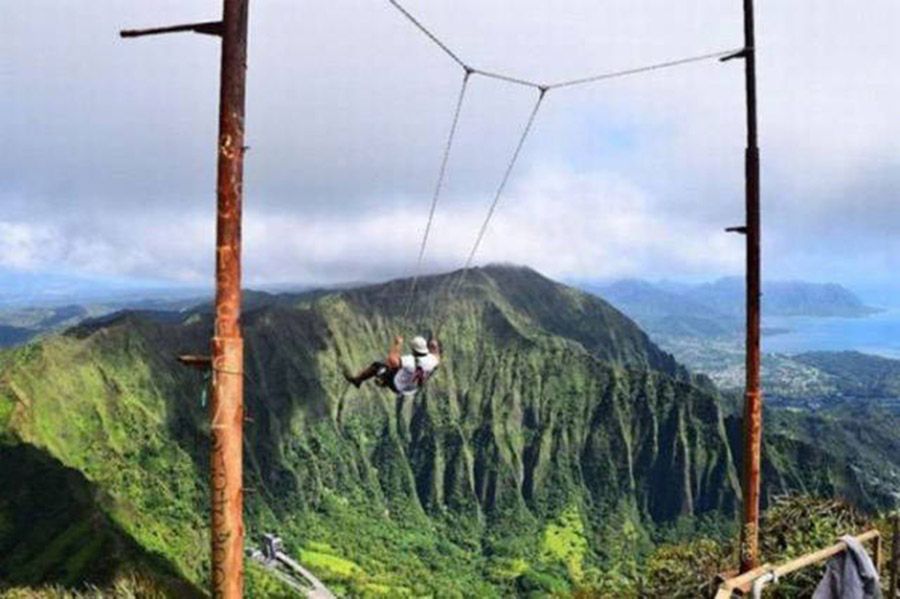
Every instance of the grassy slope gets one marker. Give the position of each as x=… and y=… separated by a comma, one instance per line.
x=55, y=527
x=526, y=435
x=95, y=405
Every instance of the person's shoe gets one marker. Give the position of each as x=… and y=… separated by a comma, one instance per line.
x=352, y=379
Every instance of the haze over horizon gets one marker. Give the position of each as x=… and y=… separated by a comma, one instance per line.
x=108, y=175
x=20, y=290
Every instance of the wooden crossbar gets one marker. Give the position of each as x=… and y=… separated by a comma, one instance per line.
x=743, y=582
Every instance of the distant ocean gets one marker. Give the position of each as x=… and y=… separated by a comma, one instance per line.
x=877, y=334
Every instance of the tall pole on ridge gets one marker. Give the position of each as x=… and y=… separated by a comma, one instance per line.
x=753, y=393
x=227, y=405
x=227, y=346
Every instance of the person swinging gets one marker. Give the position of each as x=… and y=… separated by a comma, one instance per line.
x=402, y=374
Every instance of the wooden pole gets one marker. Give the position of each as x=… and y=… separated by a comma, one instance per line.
x=226, y=407
x=753, y=394
x=227, y=360
x=895, y=556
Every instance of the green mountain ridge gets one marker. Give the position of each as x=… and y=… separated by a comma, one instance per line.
x=19, y=325
x=555, y=438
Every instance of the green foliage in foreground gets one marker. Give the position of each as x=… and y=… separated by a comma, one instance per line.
x=125, y=587
x=793, y=526
x=257, y=584
x=677, y=570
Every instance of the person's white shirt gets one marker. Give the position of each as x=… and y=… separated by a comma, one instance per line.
x=413, y=372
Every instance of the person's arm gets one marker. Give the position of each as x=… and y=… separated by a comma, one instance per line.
x=393, y=359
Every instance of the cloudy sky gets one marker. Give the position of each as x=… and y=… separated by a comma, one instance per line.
x=107, y=170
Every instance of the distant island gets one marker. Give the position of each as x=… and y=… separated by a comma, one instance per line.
x=716, y=309
x=784, y=298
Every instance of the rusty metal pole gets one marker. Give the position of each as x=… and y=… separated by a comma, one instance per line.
x=226, y=407
x=753, y=393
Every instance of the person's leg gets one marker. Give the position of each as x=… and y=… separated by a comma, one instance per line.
x=364, y=375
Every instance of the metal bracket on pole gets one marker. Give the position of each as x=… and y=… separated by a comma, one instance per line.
x=193, y=361
x=206, y=28
x=742, y=230
x=742, y=53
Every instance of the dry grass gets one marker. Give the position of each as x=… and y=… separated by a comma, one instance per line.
x=127, y=587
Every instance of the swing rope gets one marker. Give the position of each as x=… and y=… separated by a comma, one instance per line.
x=453, y=289
x=542, y=89
x=500, y=188
x=548, y=86
x=437, y=191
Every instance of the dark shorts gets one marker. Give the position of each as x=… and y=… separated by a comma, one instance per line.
x=384, y=375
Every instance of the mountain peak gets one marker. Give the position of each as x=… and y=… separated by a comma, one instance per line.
x=531, y=304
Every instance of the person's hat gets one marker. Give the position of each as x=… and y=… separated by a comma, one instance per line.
x=419, y=345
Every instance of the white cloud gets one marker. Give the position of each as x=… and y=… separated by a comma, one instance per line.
x=107, y=245
x=562, y=223
x=601, y=225
x=24, y=246
x=110, y=143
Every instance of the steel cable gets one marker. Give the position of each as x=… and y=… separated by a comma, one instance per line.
x=428, y=33
x=643, y=69
x=507, y=78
